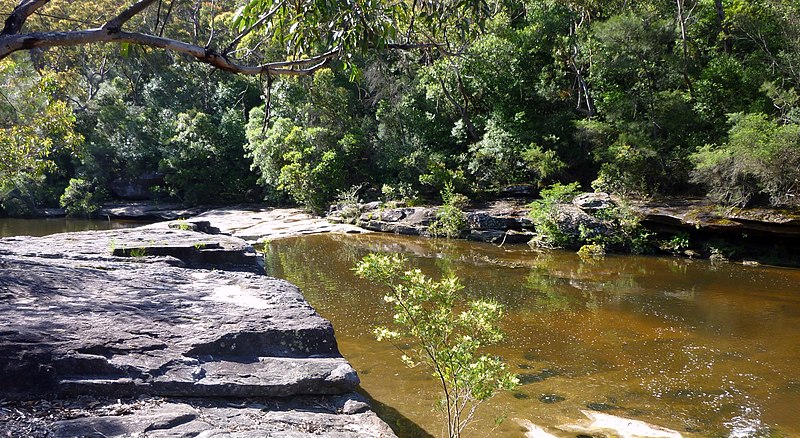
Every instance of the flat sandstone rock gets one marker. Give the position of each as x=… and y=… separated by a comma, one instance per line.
x=157, y=313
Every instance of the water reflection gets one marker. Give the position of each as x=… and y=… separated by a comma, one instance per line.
x=706, y=350
x=43, y=227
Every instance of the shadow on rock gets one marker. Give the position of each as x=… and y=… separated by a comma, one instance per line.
x=400, y=424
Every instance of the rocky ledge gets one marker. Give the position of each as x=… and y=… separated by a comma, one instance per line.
x=497, y=222
x=183, y=326
x=699, y=214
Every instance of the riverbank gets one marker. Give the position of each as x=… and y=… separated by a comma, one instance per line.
x=165, y=332
x=693, y=228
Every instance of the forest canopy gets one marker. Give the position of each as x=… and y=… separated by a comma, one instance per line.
x=396, y=98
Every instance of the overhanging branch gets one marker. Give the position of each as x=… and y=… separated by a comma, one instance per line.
x=11, y=40
x=14, y=43
x=115, y=24
x=17, y=18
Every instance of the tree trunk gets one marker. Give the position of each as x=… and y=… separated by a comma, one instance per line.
x=682, y=23
x=727, y=43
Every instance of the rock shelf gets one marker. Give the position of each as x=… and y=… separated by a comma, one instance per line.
x=186, y=321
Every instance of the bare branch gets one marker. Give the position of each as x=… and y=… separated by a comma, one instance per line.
x=255, y=25
x=115, y=24
x=17, y=18
x=13, y=43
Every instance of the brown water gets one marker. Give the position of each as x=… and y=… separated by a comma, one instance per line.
x=705, y=349
x=43, y=227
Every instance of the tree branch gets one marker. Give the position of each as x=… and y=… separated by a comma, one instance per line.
x=13, y=43
x=17, y=18
x=115, y=24
x=259, y=22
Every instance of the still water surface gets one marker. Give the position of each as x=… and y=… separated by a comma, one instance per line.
x=705, y=349
x=44, y=227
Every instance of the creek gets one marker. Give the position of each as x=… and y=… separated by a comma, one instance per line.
x=705, y=349
x=43, y=227
x=702, y=348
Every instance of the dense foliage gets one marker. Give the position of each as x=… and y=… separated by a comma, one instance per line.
x=636, y=98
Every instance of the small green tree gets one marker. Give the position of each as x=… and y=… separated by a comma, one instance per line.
x=446, y=333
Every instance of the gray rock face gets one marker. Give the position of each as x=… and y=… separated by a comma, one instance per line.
x=302, y=417
x=148, y=211
x=593, y=201
x=157, y=312
x=519, y=191
x=412, y=221
x=482, y=220
x=500, y=226
x=138, y=188
x=683, y=214
x=571, y=219
x=499, y=237
x=264, y=224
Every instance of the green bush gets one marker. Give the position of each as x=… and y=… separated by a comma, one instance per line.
x=204, y=161
x=22, y=194
x=620, y=225
x=625, y=231
x=81, y=198
x=501, y=158
x=450, y=220
x=544, y=214
x=676, y=244
x=445, y=332
x=306, y=163
x=399, y=192
x=349, y=204
x=759, y=163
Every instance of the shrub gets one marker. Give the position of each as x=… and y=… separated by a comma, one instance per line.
x=501, y=157
x=618, y=227
x=399, y=192
x=450, y=219
x=625, y=231
x=676, y=244
x=80, y=198
x=349, y=204
x=544, y=214
x=446, y=333
x=760, y=162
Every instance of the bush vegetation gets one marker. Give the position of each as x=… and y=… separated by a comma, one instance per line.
x=634, y=98
x=447, y=333
x=450, y=220
x=81, y=198
x=559, y=224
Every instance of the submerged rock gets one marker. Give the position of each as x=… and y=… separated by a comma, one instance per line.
x=551, y=398
x=620, y=427
x=532, y=430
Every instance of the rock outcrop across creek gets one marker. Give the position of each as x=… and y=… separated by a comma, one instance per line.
x=182, y=327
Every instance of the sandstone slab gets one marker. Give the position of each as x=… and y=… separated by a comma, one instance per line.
x=159, y=312
x=258, y=225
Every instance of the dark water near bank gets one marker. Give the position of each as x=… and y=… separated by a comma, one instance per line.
x=705, y=349
x=44, y=227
